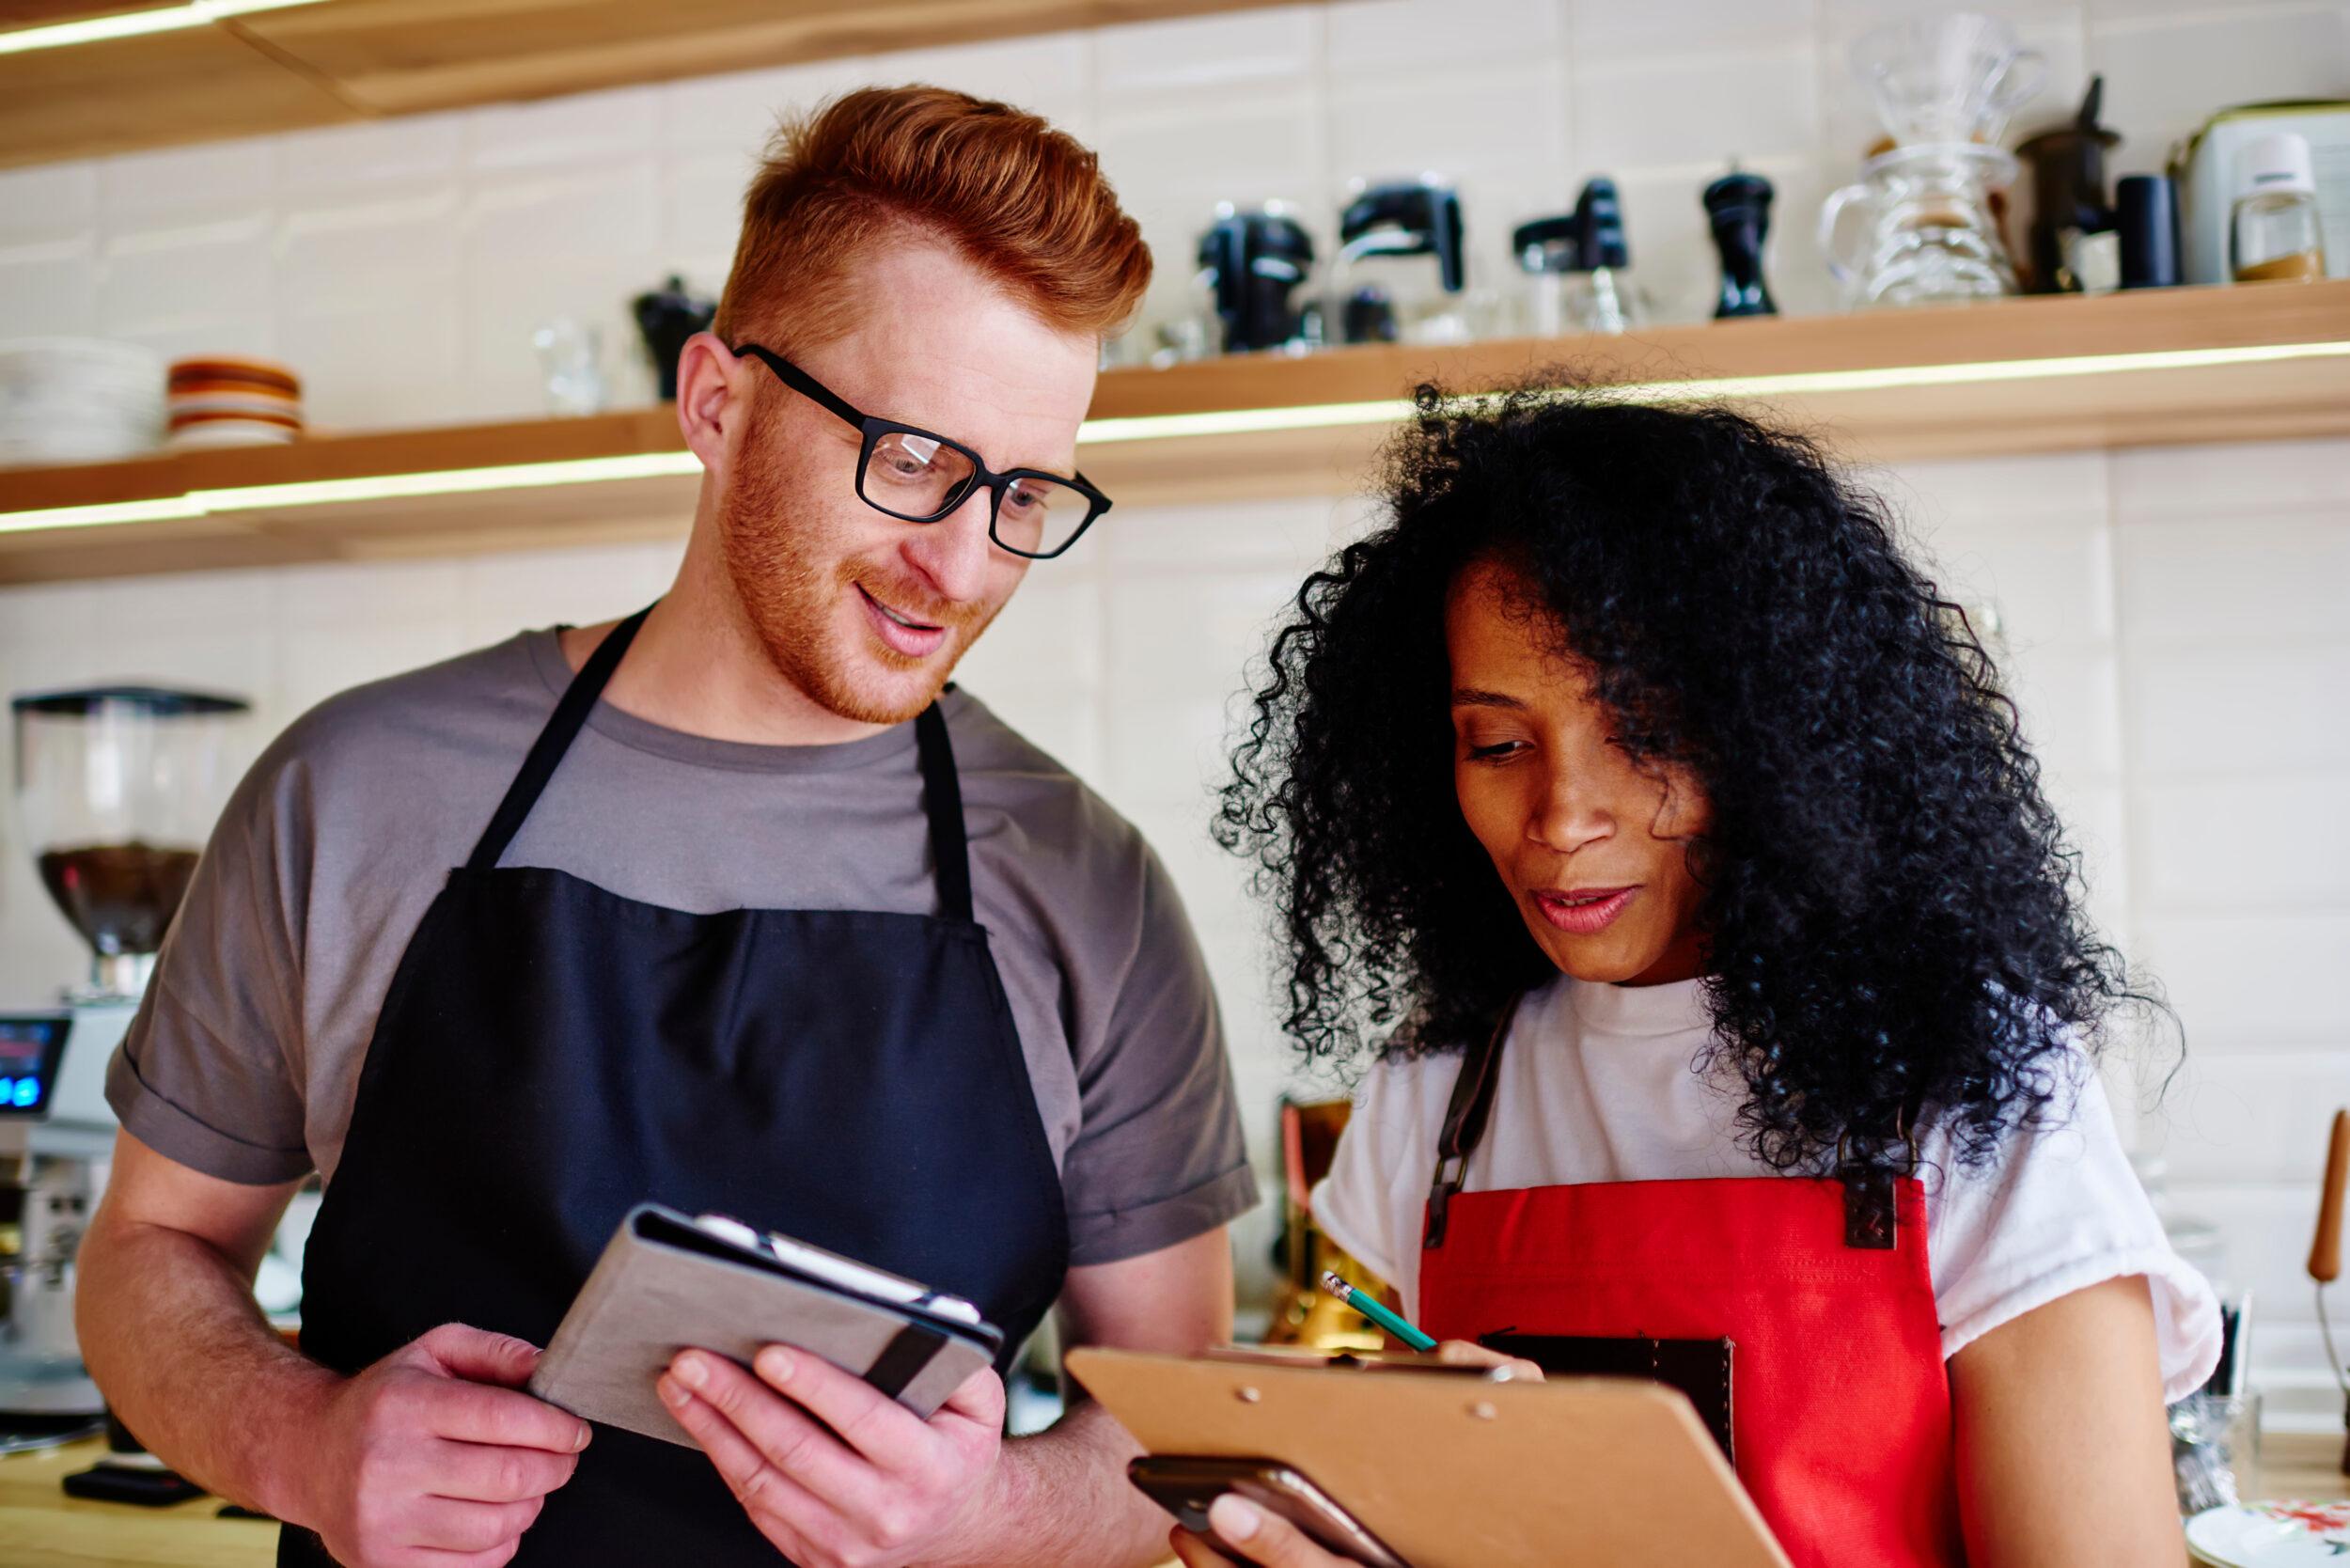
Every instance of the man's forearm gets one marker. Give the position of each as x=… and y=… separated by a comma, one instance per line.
x=1066, y=1502
x=170, y=1330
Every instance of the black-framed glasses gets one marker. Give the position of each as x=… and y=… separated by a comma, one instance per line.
x=918, y=475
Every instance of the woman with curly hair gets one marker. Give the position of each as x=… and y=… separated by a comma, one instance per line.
x=1664, y=838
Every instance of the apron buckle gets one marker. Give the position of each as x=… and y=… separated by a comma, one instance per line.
x=1869, y=1222
x=1869, y=1225
x=1451, y=1172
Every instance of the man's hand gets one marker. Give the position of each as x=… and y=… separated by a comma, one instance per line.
x=432, y=1458
x=1262, y=1537
x=833, y=1471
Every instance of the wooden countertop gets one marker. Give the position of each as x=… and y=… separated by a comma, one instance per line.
x=45, y=1529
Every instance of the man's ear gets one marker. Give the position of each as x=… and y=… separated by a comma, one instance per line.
x=712, y=395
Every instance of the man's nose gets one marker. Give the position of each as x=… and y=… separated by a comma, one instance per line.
x=952, y=553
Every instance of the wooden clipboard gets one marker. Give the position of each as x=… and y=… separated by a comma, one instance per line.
x=1458, y=1472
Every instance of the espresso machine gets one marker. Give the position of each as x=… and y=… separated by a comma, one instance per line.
x=117, y=789
x=45, y=1395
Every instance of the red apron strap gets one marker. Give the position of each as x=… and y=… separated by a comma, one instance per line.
x=1465, y=1121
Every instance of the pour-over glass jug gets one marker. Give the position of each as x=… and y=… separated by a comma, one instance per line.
x=116, y=791
x=1952, y=78
x=1918, y=229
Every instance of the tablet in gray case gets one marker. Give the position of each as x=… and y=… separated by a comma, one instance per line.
x=665, y=1284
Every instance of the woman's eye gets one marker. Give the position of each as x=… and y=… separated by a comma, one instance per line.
x=1494, y=752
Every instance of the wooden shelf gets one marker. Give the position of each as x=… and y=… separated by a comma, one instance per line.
x=2027, y=375
x=340, y=60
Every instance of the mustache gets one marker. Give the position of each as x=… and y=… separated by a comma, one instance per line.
x=910, y=600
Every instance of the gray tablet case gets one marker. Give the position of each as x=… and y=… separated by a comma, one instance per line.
x=665, y=1284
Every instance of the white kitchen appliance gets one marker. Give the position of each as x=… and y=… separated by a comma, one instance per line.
x=2204, y=168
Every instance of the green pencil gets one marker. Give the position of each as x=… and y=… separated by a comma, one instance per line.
x=1362, y=1302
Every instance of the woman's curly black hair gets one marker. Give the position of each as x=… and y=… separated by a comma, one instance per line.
x=1892, y=911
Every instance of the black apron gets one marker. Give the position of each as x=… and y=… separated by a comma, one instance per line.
x=551, y=1054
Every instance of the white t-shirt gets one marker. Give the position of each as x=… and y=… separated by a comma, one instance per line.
x=1598, y=1083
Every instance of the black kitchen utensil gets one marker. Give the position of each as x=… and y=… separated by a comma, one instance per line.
x=1739, y=205
x=1601, y=243
x=1423, y=219
x=1367, y=317
x=2068, y=178
x=1253, y=262
x=2146, y=217
x=667, y=317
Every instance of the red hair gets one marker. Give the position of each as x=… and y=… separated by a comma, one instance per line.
x=1024, y=203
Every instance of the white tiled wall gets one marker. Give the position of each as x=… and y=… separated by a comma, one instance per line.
x=2171, y=618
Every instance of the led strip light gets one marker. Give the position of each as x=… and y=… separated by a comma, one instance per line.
x=130, y=24
x=1154, y=427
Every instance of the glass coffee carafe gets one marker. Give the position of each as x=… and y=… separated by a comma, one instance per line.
x=1919, y=230
x=117, y=789
x=1921, y=225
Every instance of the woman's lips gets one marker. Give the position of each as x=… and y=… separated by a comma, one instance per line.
x=914, y=642
x=1585, y=911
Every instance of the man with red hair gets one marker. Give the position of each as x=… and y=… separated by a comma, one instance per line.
x=751, y=913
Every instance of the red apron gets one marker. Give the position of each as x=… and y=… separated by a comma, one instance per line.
x=1839, y=1407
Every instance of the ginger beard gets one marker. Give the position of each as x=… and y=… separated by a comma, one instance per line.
x=798, y=567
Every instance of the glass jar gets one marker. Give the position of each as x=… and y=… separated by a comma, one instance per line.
x=2274, y=234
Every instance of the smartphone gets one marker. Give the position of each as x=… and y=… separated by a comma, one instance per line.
x=1184, y=1486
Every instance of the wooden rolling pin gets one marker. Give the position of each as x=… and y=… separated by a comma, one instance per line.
x=2326, y=1247
x=2326, y=1250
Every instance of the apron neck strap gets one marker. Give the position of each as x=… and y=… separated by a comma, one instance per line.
x=1465, y=1121
x=546, y=753
x=942, y=789
x=942, y=802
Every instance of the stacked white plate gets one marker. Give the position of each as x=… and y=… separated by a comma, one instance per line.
x=78, y=400
x=2270, y=1535
x=219, y=400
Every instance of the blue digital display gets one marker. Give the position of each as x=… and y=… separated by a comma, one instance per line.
x=30, y=1046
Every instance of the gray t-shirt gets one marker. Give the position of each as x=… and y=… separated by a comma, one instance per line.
x=244, y=1059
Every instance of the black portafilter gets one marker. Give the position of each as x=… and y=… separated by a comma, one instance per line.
x=1739, y=205
x=1253, y=261
x=1426, y=221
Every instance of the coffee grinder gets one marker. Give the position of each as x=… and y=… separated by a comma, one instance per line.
x=117, y=789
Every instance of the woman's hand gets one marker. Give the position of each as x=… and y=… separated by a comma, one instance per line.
x=1267, y=1539
x=1463, y=1352
x=1263, y=1537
